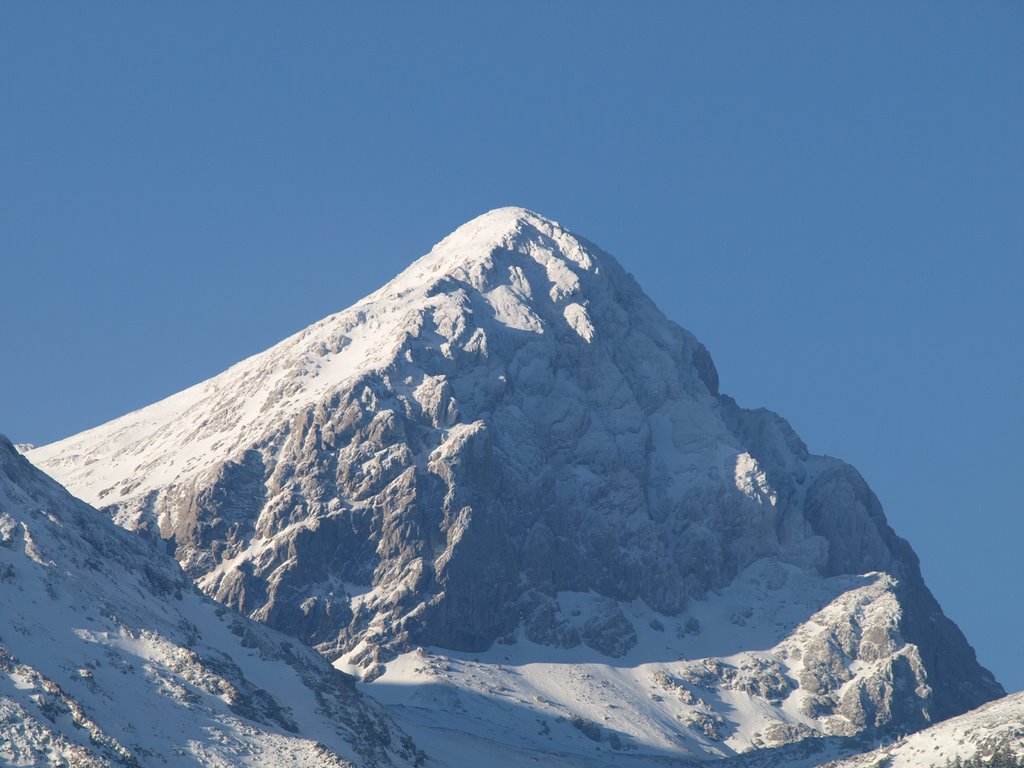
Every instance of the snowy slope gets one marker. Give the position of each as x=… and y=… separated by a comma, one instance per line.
x=109, y=656
x=190, y=432
x=721, y=681
x=510, y=446
x=995, y=728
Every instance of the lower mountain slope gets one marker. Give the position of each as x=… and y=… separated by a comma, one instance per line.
x=992, y=735
x=778, y=658
x=110, y=657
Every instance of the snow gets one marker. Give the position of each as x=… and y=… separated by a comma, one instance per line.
x=106, y=650
x=752, y=481
x=511, y=279
x=578, y=319
x=188, y=433
x=520, y=699
x=976, y=734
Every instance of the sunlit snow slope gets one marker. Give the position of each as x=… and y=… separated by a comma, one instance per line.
x=993, y=730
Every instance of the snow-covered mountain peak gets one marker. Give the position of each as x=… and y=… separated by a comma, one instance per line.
x=468, y=252
x=520, y=262
x=506, y=269
x=495, y=228
x=507, y=228
x=510, y=440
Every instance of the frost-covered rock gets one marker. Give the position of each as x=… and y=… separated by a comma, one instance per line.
x=109, y=656
x=509, y=421
x=995, y=730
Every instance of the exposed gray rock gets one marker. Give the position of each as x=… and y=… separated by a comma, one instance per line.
x=609, y=631
x=546, y=626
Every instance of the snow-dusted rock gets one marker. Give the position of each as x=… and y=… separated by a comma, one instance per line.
x=109, y=656
x=993, y=735
x=778, y=657
x=510, y=421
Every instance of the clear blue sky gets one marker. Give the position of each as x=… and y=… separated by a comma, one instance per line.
x=830, y=195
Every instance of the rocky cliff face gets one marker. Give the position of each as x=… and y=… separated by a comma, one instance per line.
x=109, y=656
x=508, y=420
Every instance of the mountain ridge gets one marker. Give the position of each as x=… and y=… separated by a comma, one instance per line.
x=109, y=656
x=488, y=230
x=995, y=728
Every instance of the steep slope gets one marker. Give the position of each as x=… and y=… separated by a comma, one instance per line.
x=507, y=426
x=995, y=729
x=109, y=656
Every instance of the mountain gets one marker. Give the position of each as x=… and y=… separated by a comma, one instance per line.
x=509, y=451
x=109, y=656
x=992, y=735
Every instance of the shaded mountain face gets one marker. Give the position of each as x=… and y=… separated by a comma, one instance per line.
x=110, y=656
x=508, y=421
